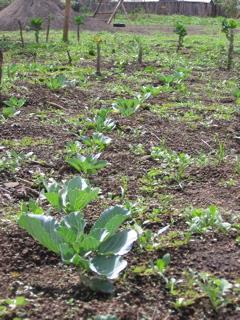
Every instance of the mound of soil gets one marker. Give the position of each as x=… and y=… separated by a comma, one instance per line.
x=25, y=10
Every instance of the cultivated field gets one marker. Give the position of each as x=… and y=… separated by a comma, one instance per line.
x=167, y=134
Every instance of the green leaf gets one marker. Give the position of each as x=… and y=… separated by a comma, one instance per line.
x=108, y=266
x=54, y=199
x=119, y=244
x=78, y=199
x=111, y=219
x=88, y=164
x=43, y=229
x=71, y=227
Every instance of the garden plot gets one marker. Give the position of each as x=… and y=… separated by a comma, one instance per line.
x=155, y=145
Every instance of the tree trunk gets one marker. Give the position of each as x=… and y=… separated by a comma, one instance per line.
x=66, y=20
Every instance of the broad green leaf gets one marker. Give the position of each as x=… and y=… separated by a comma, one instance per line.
x=77, y=260
x=54, y=199
x=79, y=199
x=77, y=183
x=71, y=227
x=89, y=243
x=43, y=229
x=67, y=252
x=108, y=266
x=119, y=244
x=111, y=219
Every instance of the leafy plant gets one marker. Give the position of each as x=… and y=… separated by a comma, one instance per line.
x=228, y=26
x=56, y=83
x=36, y=25
x=87, y=164
x=101, y=122
x=150, y=91
x=98, y=252
x=181, y=31
x=9, y=306
x=71, y=196
x=97, y=141
x=79, y=20
x=11, y=161
x=12, y=107
x=203, y=220
x=215, y=288
x=127, y=107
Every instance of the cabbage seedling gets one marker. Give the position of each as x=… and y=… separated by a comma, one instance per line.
x=97, y=141
x=12, y=106
x=73, y=195
x=228, y=27
x=181, y=31
x=88, y=164
x=97, y=252
x=36, y=25
x=127, y=107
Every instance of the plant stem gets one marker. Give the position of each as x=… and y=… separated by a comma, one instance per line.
x=230, y=49
x=21, y=33
x=78, y=33
x=98, y=66
x=48, y=28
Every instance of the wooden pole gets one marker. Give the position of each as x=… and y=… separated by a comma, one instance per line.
x=21, y=32
x=66, y=20
x=1, y=74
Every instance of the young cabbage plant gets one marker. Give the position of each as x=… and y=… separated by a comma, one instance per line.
x=127, y=107
x=56, y=83
x=101, y=122
x=181, y=31
x=204, y=220
x=79, y=20
x=97, y=253
x=150, y=91
x=97, y=141
x=228, y=26
x=12, y=107
x=36, y=25
x=71, y=196
x=89, y=164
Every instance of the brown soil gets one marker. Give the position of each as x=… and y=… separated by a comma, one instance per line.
x=54, y=290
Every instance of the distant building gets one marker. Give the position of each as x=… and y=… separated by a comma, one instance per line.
x=169, y=7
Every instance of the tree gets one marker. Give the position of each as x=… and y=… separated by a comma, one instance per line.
x=66, y=20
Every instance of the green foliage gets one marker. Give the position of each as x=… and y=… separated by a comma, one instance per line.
x=70, y=196
x=101, y=122
x=88, y=164
x=127, y=107
x=181, y=31
x=216, y=289
x=97, y=141
x=227, y=26
x=36, y=25
x=11, y=161
x=203, y=220
x=12, y=107
x=79, y=20
x=56, y=83
x=98, y=251
x=8, y=307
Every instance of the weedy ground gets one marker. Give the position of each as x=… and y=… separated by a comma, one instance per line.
x=176, y=153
